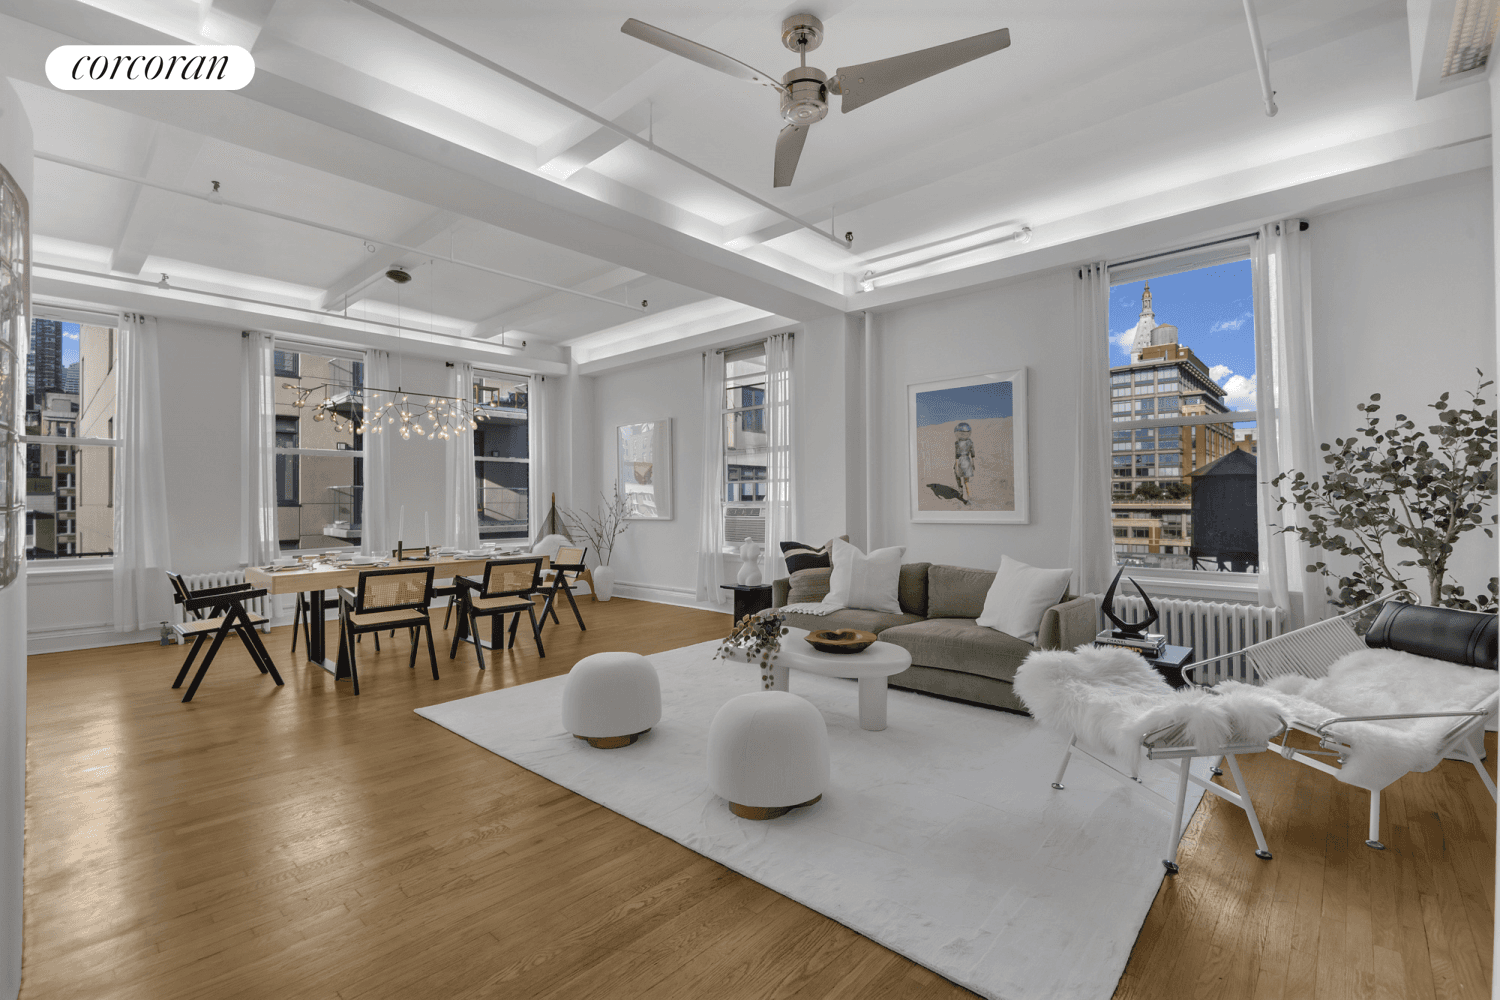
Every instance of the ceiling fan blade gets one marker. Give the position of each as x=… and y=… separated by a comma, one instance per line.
x=689, y=49
x=788, y=151
x=865, y=82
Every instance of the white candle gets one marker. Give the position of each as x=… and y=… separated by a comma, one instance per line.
x=401, y=525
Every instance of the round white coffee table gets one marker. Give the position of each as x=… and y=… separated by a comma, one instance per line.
x=870, y=666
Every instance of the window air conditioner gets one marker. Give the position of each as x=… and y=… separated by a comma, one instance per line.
x=742, y=522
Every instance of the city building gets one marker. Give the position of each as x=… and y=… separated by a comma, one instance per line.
x=1152, y=467
x=44, y=365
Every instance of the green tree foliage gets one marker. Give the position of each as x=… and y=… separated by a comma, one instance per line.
x=1394, y=491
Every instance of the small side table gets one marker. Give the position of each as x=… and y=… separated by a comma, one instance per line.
x=749, y=600
x=1169, y=662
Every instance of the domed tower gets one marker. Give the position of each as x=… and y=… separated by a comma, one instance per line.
x=1143, y=326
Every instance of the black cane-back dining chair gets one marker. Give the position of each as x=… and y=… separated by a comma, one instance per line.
x=507, y=587
x=216, y=612
x=560, y=578
x=386, y=599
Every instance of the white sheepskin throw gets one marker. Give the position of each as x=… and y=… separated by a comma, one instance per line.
x=1384, y=682
x=1110, y=698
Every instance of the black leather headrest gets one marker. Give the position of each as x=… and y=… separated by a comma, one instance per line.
x=1465, y=637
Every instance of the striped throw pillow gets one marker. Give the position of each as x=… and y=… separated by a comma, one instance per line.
x=800, y=556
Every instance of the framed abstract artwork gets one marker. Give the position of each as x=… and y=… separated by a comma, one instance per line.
x=968, y=449
x=645, y=475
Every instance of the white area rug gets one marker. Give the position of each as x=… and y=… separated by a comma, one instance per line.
x=941, y=837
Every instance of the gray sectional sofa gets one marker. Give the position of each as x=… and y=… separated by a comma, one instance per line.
x=950, y=654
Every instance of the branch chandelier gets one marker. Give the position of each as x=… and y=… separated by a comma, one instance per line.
x=373, y=411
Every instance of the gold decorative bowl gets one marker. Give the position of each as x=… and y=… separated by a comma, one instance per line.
x=842, y=640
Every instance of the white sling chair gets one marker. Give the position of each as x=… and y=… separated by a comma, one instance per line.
x=1115, y=709
x=1309, y=652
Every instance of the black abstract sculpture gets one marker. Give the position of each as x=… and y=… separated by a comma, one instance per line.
x=1129, y=630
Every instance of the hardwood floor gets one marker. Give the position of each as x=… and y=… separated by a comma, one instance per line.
x=302, y=842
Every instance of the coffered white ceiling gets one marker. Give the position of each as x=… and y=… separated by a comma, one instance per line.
x=1101, y=116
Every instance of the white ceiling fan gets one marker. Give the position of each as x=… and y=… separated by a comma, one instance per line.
x=804, y=91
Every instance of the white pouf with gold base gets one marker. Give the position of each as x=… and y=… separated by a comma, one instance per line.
x=768, y=754
x=611, y=699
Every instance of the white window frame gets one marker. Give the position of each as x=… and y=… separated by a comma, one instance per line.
x=63, y=564
x=1188, y=582
x=495, y=373
x=334, y=351
x=748, y=352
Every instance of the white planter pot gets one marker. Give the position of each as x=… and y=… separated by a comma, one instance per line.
x=604, y=582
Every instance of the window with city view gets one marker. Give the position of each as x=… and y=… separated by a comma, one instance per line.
x=319, y=470
x=1182, y=407
x=70, y=482
x=746, y=454
x=502, y=457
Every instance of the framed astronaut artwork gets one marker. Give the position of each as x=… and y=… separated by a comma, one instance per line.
x=645, y=476
x=968, y=449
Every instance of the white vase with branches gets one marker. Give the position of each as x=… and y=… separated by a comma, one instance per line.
x=600, y=532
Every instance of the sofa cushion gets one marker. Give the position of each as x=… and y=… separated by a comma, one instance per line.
x=912, y=588
x=957, y=591
x=869, y=582
x=1020, y=595
x=809, y=586
x=960, y=644
x=868, y=621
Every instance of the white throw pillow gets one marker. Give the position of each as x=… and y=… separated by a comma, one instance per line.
x=865, y=582
x=1019, y=597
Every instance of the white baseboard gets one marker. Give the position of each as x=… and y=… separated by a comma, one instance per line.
x=681, y=597
x=63, y=639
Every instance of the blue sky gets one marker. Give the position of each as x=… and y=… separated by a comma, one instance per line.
x=69, y=343
x=969, y=402
x=1211, y=309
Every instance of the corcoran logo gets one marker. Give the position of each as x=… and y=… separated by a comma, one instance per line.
x=150, y=67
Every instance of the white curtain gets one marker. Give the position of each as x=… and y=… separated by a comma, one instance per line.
x=462, y=524
x=1284, y=419
x=710, y=556
x=1091, y=549
x=378, y=534
x=780, y=515
x=143, y=550
x=540, y=484
x=259, y=541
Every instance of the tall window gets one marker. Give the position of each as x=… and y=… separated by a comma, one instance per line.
x=1182, y=345
x=71, y=394
x=746, y=452
x=319, y=470
x=502, y=459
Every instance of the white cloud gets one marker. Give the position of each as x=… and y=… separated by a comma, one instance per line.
x=1239, y=392
x=71, y=336
x=1219, y=373
x=1231, y=324
x=1124, y=340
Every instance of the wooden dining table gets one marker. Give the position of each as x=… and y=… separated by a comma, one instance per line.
x=317, y=577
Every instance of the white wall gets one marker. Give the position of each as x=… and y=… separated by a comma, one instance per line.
x=1404, y=305
x=15, y=156
x=1027, y=324
x=657, y=560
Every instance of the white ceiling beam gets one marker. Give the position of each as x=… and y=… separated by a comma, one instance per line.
x=234, y=22
x=548, y=305
x=564, y=156
x=280, y=117
x=170, y=158
x=355, y=283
